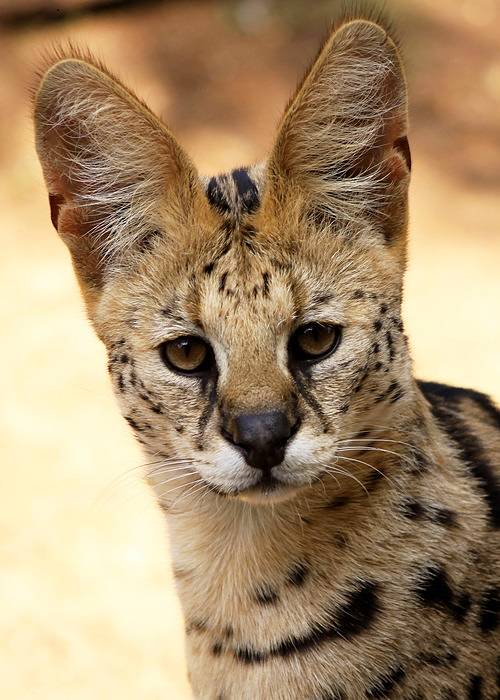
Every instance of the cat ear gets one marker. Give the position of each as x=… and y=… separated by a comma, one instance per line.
x=342, y=151
x=113, y=171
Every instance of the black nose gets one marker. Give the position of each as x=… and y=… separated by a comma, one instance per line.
x=262, y=437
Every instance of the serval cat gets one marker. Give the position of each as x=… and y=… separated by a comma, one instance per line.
x=333, y=521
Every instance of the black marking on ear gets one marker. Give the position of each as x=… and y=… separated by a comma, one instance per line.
x=434, y=591
x=247, y=190
x=403, y=147
x=489, y=610
x=387, y=684
x=467, y=444
x=346, y=621
x=475, y=689
x=216, y=196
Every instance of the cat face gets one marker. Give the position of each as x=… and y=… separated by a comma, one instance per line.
x=252, y=319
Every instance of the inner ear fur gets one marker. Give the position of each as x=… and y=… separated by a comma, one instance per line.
x=113, y=171
x=342, y=151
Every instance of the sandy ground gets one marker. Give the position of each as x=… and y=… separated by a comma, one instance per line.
x=87, y=605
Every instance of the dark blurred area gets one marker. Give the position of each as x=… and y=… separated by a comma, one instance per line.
x=88, y=609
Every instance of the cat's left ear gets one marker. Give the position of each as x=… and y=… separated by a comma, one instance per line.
x=341, y=154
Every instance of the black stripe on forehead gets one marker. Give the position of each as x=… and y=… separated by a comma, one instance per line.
x=247, y=190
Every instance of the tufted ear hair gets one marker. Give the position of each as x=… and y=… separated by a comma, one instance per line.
x=342, y=152
x=113, y=171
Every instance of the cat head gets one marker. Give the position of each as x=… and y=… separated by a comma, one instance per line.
x=252, y=319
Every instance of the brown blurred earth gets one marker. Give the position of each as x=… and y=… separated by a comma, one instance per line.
x=87, y=606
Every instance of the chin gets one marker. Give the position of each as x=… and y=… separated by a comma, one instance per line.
x=267, y=492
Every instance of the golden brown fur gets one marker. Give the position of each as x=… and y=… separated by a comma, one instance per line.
x=370, y=568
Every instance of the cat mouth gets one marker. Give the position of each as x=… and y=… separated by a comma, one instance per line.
x=267, y=489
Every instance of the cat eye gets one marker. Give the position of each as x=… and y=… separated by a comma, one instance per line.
x=314, y=341
x=187, y=355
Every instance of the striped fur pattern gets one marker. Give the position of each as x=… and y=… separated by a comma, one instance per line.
x=366, y=565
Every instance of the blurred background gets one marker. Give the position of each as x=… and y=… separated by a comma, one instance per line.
x=87, y=605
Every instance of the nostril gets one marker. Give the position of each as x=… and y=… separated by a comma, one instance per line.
x=262, y=437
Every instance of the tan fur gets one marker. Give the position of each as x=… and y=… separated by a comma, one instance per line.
x=372, y=570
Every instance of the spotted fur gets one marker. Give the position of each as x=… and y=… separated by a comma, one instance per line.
x=366, y=564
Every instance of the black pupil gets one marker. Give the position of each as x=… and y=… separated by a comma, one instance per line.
x=186, y=346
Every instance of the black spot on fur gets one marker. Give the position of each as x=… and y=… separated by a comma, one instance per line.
x=217, y=649
x=475, y=689
x=338, y=502
x=358, y=294
x=208, y=269
x=377, y=325
x=390, y=345
x=266, y=596
x=444, y=516
x=121, y=383
x=385, y=686
x=434, y=590
x=216, y=197
x=375, y=349
x=298, y=574
x=468, y=444
x=412, y=509
x=345, y=622
x=247, y=190
x=449, y=658
x=489, y=610
x=265, y=284
x=383, y=308
x=135, y=426
x=222, y=281
x=147, y=242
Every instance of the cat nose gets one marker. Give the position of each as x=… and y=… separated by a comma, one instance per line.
x=261, y=437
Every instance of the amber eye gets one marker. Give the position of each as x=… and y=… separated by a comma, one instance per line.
x=314, y=341
x=187, y=354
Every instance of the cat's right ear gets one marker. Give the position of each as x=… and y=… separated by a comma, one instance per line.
x=114, y=173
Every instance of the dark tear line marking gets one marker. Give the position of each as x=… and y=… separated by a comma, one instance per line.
x=311, y=400
x=344, y=623
x=208, y=409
